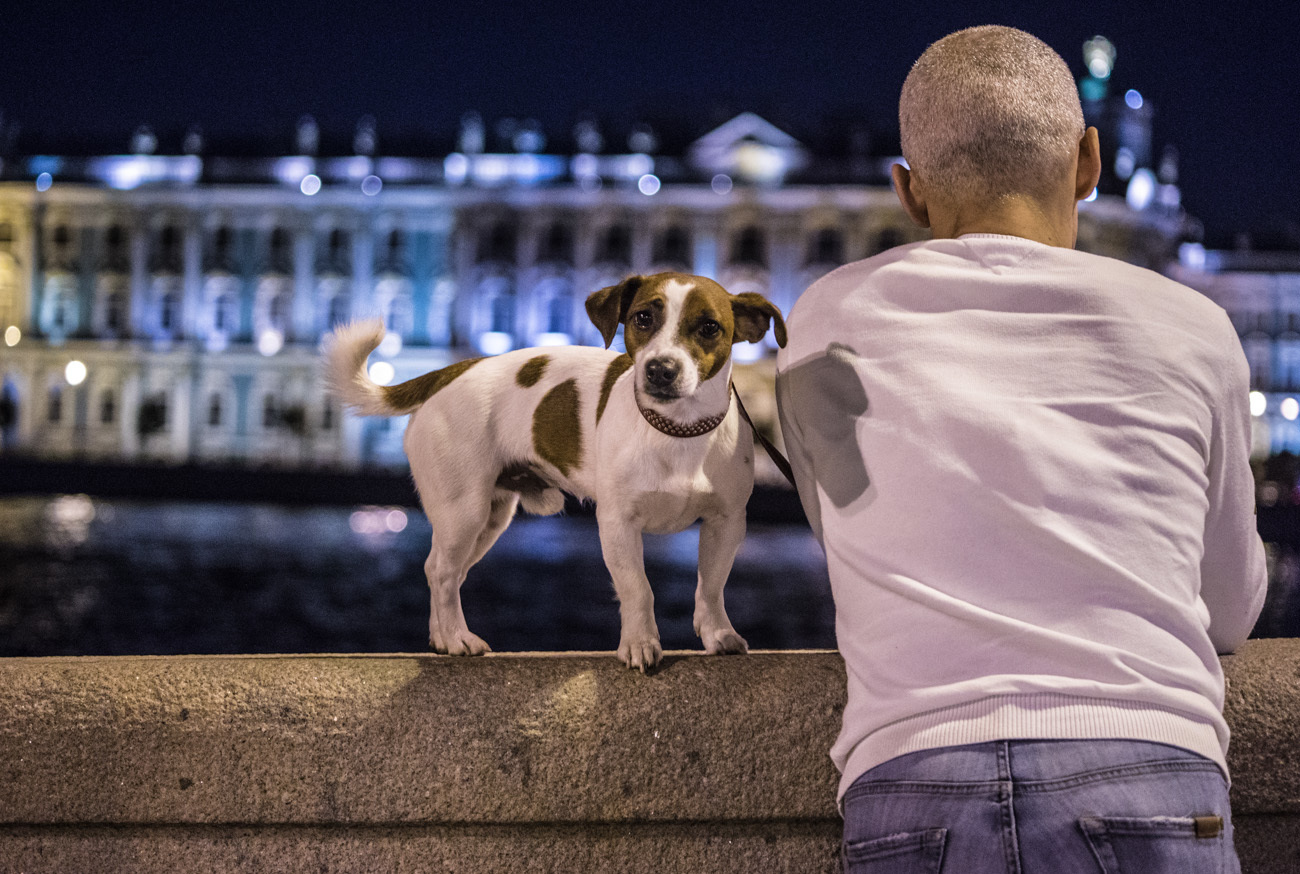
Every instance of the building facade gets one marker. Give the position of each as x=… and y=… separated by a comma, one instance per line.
x=171, y=308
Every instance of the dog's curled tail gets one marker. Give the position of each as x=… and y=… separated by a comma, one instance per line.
x=346, y=351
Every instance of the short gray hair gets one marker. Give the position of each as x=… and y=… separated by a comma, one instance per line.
x=989, y=111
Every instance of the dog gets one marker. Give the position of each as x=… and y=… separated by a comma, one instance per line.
x=652, y=436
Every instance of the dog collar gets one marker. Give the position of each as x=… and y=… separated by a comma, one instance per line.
x=674, y=429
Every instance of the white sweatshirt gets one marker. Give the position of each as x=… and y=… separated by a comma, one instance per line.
x=1028, y=468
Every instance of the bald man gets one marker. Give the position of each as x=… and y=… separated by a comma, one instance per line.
x=1028, y=468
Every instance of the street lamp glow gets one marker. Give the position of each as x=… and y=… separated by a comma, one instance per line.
x=310, y=184
x=1258, y=403
x=382, y=373
x=12, y=335
x=1290, y=408
x=75, y=373
x=270, y=342
x=648, y=184
x=44, y=181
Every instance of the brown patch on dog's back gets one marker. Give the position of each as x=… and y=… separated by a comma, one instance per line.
x=616, y=368
x=557, y=433
x=413, y=392
x=700, y=306
x=532, y=371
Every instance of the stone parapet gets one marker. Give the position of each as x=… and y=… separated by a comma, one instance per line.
x=553, y=762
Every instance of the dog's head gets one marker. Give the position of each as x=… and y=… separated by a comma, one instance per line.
x=679, y=328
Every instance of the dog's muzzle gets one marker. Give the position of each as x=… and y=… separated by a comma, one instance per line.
x=661, y=378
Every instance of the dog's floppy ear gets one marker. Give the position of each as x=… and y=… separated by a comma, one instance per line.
x=752, y=312
x=608, y=307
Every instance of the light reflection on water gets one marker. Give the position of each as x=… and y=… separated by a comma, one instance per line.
x=83, y=576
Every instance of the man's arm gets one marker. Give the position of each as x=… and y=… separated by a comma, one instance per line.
x=1234, y=579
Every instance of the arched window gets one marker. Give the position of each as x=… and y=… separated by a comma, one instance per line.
x=223, y=313
x=214, y=410
x=270, y=411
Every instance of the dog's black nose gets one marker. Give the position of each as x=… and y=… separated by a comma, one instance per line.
x=661, y=372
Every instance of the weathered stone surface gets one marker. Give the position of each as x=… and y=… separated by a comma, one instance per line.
x=562, y=762
x=417, y=739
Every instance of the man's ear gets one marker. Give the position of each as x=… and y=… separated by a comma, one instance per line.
x=1088, y=170
x=608, y=307
x=751, y=312
x=910, y=195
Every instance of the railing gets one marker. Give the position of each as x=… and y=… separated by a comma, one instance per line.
x=564, y=762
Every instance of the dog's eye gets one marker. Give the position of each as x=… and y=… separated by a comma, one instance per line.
x=643, y=320
x=710, y=329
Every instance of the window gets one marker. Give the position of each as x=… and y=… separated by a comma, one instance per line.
x=54, y=404
x=673, y=246
x=557, y=244
x=278, y=312
x=338, y=311
x=214, y=410
x=270, y=412
x=498, y=244
x=107, y=408
x=749, y=247
x=169, y=312
x=888, y=239
x=280, y=258
x=615, y=245
x=826, y=247
x=503, y=313
x=115, y=312
x=223, y=314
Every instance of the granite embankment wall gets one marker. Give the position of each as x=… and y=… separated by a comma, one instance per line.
x=564, y=762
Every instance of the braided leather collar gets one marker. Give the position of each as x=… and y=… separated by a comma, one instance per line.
x=692, y=429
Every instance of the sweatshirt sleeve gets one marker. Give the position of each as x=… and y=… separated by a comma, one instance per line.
x=1234, y=579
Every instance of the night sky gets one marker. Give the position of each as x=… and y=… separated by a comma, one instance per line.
x=1226, y=85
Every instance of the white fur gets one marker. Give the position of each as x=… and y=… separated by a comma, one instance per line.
x=642, y=480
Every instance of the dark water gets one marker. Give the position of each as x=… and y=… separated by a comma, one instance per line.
x=81, y=577
x=94, y=577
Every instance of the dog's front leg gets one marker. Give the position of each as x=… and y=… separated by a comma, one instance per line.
x=720, y=539
x=620, y=542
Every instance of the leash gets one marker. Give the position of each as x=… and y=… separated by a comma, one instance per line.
x=782, y=463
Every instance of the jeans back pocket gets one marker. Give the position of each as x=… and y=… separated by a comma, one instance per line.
x=902, y=853
x=1156, y=844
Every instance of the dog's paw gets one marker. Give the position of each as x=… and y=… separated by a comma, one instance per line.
x=463, y=642
x=641, y=653
x=723, y=641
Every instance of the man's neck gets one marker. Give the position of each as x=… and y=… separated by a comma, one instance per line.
x=1010, y=216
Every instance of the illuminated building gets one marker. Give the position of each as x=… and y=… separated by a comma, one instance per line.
x=1261, y=292
x=195, y=288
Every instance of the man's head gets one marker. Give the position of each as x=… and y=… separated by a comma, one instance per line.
x=990, y=114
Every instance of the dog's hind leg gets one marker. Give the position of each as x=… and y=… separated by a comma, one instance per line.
x=720, y=538
x=460, y=539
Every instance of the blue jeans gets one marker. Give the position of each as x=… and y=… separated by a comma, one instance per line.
x=1050, y=806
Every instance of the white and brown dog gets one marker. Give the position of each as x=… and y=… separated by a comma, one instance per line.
x=653, y=436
